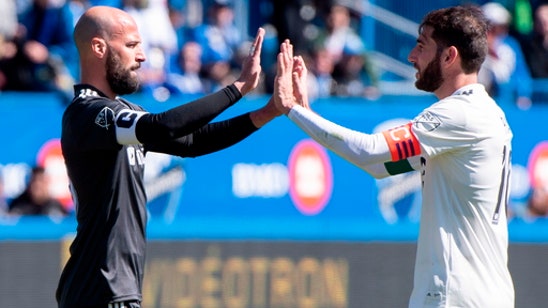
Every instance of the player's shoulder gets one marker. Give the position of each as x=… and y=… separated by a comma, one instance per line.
x=90, y=105
x=470, y=98
x=88, y=99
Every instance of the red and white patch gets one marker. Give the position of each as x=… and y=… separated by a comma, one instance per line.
x=402, y=142
x=311, y=177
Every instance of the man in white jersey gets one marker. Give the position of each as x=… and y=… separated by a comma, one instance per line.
x=461, y=145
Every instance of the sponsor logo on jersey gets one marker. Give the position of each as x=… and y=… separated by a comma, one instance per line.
x=105, y=118
x=427, y=121
x=311, y=177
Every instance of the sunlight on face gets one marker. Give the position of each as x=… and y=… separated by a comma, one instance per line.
x=429, y=78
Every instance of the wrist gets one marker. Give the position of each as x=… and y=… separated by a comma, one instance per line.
x=264, y=115
x=240, y=86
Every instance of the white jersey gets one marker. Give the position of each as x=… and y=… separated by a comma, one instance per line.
x=462, y=147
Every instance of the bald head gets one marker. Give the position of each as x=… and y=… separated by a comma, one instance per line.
x=109, y=45
x=100, y=21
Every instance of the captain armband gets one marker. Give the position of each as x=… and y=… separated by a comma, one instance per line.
x=402, y=142
x=126, y=123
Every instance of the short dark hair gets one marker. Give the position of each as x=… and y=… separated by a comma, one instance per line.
x=464, y=27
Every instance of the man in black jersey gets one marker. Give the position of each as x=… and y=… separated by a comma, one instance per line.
x=104, y=141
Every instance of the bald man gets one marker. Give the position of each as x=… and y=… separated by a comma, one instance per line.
x=105, y=139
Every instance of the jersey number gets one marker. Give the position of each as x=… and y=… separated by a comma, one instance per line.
x=502, y=199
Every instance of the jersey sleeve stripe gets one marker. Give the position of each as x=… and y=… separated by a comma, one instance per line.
x=398, y=167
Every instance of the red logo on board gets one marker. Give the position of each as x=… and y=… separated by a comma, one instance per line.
x=538, y=165
x=310, y=176
x=50, y=156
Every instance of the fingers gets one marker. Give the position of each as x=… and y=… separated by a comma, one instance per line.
x=283, y=86
x=300, y=65
x=299, y=71
x=285, y=58
x=251, y=67
x=256, y=47
x=299, y=79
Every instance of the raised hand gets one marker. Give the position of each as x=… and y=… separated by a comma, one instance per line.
x=300, y=82
x=283, y=84
x=251, y=67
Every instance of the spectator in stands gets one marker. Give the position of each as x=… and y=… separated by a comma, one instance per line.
x=538, y=202
x=220, y=40
x=340, y=37
x=188, y=79
x=8, y=19
x=77, y=8
x=504, y=73
x=289, y=22
x=183, y=31
x=159, y=39
x=536, y=47
x=8, y=29
x=36, y=199
x=353, y=72
x=355, y=77
x=45, y=58
x=321, y=81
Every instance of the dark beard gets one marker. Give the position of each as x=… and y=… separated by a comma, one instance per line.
x=430, y=79
x=119, y=79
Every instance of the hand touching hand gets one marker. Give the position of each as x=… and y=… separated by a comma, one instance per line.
x=251, y=67
x=283, y=84
x=300, y=82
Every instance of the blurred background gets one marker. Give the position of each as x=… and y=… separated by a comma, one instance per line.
x=275, y=221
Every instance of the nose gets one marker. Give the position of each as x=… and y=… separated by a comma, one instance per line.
x=412, y=56
x=140, y=55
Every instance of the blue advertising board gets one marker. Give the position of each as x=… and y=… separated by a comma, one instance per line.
x=276, y=184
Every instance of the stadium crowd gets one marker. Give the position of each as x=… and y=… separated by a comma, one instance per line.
x=186, y=54
x=195, y=47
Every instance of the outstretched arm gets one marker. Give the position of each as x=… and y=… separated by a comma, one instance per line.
x=210, y=138
x=370, y=152
x=143, y=127
x=213, y=137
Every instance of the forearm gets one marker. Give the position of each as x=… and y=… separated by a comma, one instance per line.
x=208, y=139
x=358, y=148
x=184, y=119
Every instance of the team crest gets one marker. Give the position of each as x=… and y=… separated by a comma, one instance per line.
x=427, y=121
x=105, y=118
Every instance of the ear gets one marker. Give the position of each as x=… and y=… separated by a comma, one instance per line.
x=98, y=47
x=450, y=55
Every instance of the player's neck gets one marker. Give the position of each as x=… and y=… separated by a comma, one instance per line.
x=453, y=83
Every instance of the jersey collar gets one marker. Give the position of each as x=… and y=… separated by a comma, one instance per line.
x=89, y=89
x=470, y=89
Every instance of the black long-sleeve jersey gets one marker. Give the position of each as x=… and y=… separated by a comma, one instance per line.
x=104, y=144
